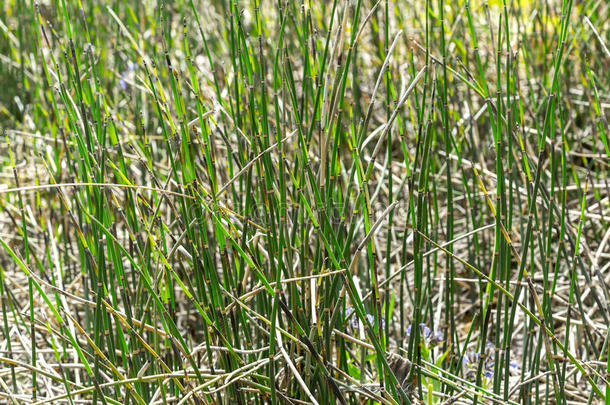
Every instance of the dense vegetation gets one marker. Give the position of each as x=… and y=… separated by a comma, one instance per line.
x=297, y=201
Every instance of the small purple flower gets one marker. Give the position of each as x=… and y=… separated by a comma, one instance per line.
x=131, y=67
x=471, y=358
x=354, y=323
x=353, y=320
x=431, y=337
x=436, y=338
x=470, y=361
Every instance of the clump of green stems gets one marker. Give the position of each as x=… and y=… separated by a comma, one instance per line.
x=250, y=202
